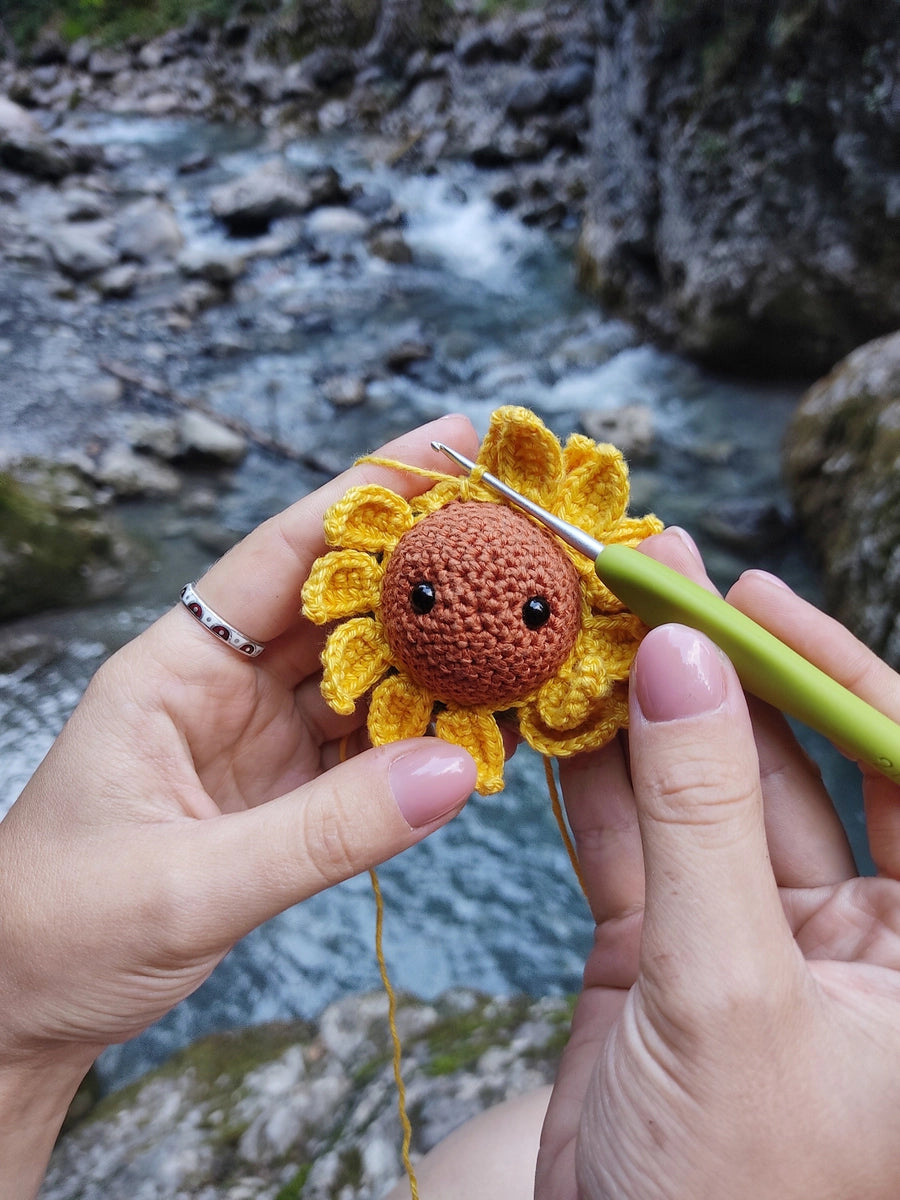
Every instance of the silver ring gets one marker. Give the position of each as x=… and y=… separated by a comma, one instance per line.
x=218, y=625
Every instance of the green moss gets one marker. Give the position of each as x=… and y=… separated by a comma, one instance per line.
x=217, y=1063
x=293, y=1189
x=458, y=1040
x=350, y=1172
x=51, y=535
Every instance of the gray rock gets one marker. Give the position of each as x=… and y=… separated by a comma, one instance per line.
x=14, y=119
x=250, y=204
x=632, y=428
x=249, y=1114
x=157, y=435
x=750, y=526
x=390, y=244
x=572, y=83
x=103, y=64
x=842, y=457
x=333, y=221
x=82, y=249
x=740, y=179
x=118, y=282
x=80, y=53
x=530, y=95
x=148, y=231
x=130, y=474
x=345, y=391
x=403, y=354
x=34, y=154
x=214, y=263
x=203, y=435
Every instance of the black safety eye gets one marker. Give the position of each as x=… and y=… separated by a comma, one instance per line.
x=536, y=612
x=422, y=598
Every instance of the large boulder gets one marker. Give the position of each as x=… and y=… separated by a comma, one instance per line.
x=290, y=1109
x=842, y=456
x=57, y=545
x=743, y=195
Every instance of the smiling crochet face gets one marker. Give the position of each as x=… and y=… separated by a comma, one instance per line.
x=454, y=606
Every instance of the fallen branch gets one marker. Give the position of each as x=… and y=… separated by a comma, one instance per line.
x=158, y=387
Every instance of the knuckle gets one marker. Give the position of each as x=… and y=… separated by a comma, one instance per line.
x=695, y=791
x=327, y=831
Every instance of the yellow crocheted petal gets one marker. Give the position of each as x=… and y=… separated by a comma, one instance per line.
x=442, y=493
x=519, y=449
x=595, y=495
x=565, y=701
x=631, y=531
x=368, y=517
x=355, y=657
x=399, y=708
x=476, y=730
x=601, y=658
x=343, y=583
x=599, y=727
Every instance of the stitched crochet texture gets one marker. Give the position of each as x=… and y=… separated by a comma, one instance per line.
x=454, y=607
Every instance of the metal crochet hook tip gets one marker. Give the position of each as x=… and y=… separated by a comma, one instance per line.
x=571, y=534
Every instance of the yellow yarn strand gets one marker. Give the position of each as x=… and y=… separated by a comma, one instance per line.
x=395, y=1036
x=392, y=1017
x=561, y=821
x=375, y=460
x=465, y=481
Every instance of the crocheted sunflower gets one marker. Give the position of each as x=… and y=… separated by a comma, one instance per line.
x=456, y=610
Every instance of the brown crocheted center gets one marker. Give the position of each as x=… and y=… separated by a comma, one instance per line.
x=479, y=605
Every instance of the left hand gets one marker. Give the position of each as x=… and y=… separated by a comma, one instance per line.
x=195, y=792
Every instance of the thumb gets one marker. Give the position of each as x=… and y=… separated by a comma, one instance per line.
x=712, y=903
x=245, y=867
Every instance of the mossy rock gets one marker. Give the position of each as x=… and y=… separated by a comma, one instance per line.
x=57, y=545
x=842, y=457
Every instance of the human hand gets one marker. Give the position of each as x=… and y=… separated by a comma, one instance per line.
x=194, y=793
x=738, y=1033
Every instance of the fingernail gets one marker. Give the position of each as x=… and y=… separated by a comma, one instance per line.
x=678, y=673
x=428, y=783
x=766, y=577
x=686, y=540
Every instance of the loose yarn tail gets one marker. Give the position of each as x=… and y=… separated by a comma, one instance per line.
x=561, y=821
x=395, y=1036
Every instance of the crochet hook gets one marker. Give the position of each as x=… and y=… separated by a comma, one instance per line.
x=767, y=667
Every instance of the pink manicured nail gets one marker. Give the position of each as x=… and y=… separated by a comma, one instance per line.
x=678, y=673
x=766, y=577
x=430, y=782
x=686, y=540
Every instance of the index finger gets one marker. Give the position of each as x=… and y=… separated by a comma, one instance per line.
x=256, y=585
x=819, y=638
x=836, y=651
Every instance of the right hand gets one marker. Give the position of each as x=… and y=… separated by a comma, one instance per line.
x=738, y=1033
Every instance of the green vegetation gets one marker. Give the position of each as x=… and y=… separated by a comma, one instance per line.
x=50, y=537
x=110, y=21
x=460, y=1039
x=218, y=1062
x=293, y=1189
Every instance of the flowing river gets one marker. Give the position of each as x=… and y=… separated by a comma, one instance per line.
x=489, y=902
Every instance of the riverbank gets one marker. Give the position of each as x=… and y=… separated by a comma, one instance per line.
x=309, y=1109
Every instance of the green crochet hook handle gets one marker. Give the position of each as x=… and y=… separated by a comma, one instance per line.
x=766, y=666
